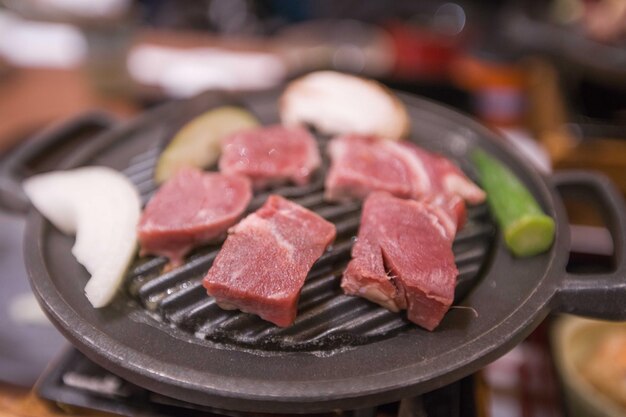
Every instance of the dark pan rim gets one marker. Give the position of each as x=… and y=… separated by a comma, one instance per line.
x=319, y=395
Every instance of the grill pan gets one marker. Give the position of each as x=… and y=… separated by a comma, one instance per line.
x=162, y=332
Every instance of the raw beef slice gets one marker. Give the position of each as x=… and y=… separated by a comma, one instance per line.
x=360, y=165
x=191, y=209
x=271, y=155
x=444, y=177
x=266, y=258
x=403, y=258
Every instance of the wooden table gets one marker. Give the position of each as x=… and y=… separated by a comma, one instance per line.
x=21, y=402
x=31, y=98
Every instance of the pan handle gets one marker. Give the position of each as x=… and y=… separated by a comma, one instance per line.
x=12, y=170
x=596, y=295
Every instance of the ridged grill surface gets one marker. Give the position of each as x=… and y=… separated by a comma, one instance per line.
x=327, y=319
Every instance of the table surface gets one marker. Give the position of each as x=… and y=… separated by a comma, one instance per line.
x=32, y=98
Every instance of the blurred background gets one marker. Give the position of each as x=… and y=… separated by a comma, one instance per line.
x=549, y=75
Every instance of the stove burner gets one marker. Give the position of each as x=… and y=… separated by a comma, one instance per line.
x=76, y=381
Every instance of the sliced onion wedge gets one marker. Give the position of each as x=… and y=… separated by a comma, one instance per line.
x=336, y=103
x=102, y=207
x=199, y=143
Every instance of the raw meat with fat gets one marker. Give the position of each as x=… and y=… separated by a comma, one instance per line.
x=271, y=155
x=264, y=262
x=191, y=209
x=361, y=164
x=403, y=257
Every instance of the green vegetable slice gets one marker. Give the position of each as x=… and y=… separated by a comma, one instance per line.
x=527, y=229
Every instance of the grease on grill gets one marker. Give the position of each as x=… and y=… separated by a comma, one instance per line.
x=327, y=319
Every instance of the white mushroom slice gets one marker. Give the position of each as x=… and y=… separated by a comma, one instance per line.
x=336, y=103
x=102, y=207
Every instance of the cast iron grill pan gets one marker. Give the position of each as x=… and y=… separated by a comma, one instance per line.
x=163, y=333
x=327, y=320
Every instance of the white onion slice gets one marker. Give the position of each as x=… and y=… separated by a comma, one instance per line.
x=336, y=103
x=102, y=207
